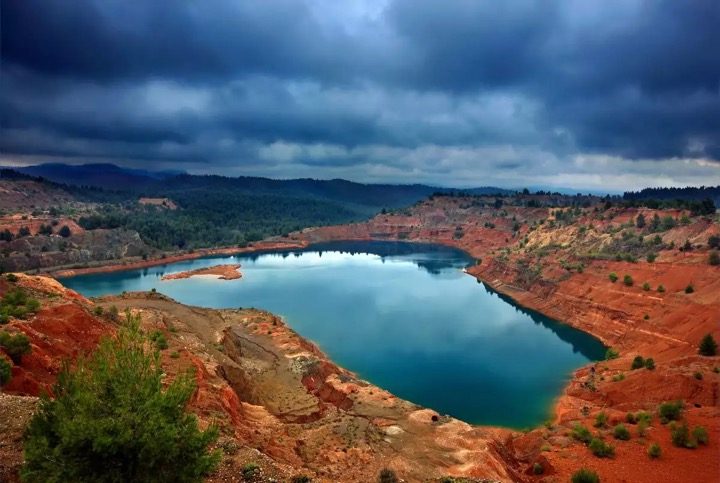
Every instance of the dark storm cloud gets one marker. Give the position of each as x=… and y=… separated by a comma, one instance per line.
x=416, y=87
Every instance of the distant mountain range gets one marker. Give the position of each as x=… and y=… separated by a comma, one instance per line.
x=166, y=183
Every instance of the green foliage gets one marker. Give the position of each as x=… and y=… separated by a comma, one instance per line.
x=646, y=286
x=248, y=470
x=583, y=475
x=714, y=258
x=661, y=288
x=15, y=303
x=11, y=277
x=689, y=289
x=651, y=257
x=175, y=355
x=98, y=310
x=613, y=277
x=700, y=434
x=627, y=280
x=650, y=364
x=581, y=433
x=611, y=354
x=680, y=436
x=601, y=449
x=300, y=479
x=601, y=420
x=5, y=370
x=621, y=432
x=64, y=231
x=647, y=317
x=708, y=346
x=16, y=345
x=714, y=241
x=640, y=221
x=159, y=339
x=538, y=469
x=654, y=451
x=112, y=421
x=619, y=377
x=388, y=476
x=637, y=363
x=671, y=410
x=698, y=375
x=630, y=418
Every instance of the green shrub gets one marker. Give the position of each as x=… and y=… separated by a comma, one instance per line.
x=661, y=288
x=601, y=420
x=698, y=376
x=98, y=310
x=642, y=427
x=611, y=354
x=647, y=317
x=649, y=363
x=248, y=470
x=301, y=479
x=5, y=370
x=174, y=355
x=680, y=436
x=112, y=421
x=643, y=416
x=700, y=434
x=689, y=289
x=388, y=476
x=613, y=277
x=11, y=277
x=619, y=377
x=646, y=286
x=159, y=339
x=583, y=475
x=714, y=258
x=546, y=447
x=671, y=410
x=637, y=363
x=538, y=469
x=16, y=345
x=621, y=432
x=628, y=281
x=15, y=303
x=654, y=451
x=581, y=433
x=708, y=346
x=601, y=449
x=630, y=418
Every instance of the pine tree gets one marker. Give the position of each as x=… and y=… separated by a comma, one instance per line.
x=708, y=346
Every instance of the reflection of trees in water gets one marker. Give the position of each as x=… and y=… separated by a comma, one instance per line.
x=581, y=342
x=435, y=259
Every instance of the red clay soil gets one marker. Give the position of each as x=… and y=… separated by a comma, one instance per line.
x=223, y=272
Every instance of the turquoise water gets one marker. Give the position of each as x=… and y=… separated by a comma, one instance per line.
x=402, y=316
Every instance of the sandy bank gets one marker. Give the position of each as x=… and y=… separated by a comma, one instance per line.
x=222, y=272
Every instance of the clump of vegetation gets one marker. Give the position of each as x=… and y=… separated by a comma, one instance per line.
x=175, y=355
x=15, y=303
x=701, y=435
x=248, y=470
x=601, y=420
x=689, y=289
x=612, y=354
x=159, y=339
x=650, y=364
x=387, y=476
x=538, y=469
x=680, y=436
x=651, y=257
x=111, y=420
x=671, y=411
x=5, y=370
x=621, y=432
x=601, y=449
x=661, y=288
x=619, y=377
x=613, y=277
x=628, y=280
x=637, y=363
x=98, y=311
x=16, y=345
x=581, y=433
x=698, y=375
x=654, y=451
x=714, y=258
x=647, y=317
x=301, y=479
x=708, y=346
x=630, y=418
x=646, y=286
x=583, y=475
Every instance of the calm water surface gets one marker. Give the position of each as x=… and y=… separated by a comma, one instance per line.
x=400, y=315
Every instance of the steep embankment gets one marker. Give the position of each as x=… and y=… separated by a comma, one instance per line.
x=559, y=261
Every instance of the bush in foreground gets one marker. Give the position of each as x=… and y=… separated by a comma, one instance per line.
x=671, y=411
x=112, y=421
x=654, y=451
x=621, y=432
x=708, y=346
x=388, y=476
x=700, y=434
x=5, y=370
x=628, y=280
x=637, y=363
x=583, y=475
x=16, y=345
x=680, y=436
x=601, y=449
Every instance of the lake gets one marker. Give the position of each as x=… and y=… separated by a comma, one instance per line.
x=400, y=315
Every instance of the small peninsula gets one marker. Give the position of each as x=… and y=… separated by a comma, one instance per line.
x=222, y=272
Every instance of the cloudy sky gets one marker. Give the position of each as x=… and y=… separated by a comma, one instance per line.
x=607, y=94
